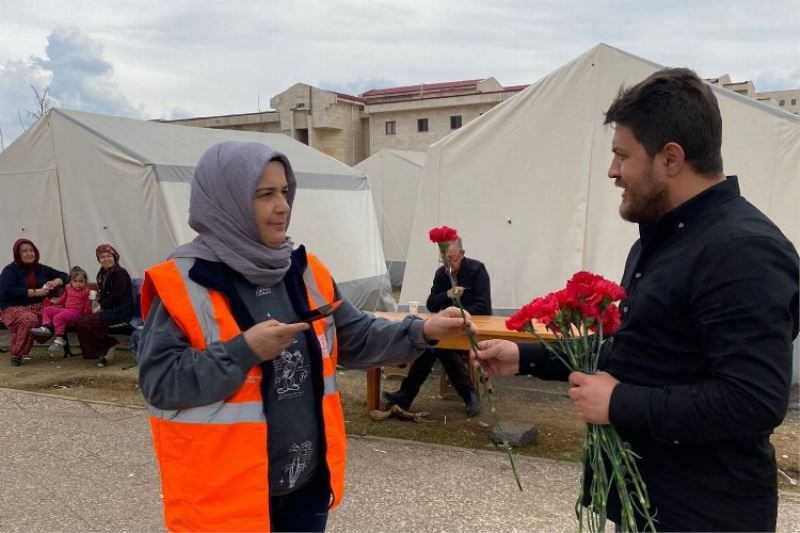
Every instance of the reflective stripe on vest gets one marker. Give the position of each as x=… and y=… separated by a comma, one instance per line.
x=320, y=291
x=208, y=454
x=216, y=413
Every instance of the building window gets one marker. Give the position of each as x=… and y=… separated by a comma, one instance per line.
x=794, y=101
x=391, y=126
x=422, y=124
x=782, y=103
x=455, y=122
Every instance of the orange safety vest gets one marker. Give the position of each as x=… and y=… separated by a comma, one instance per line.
x=214, y=459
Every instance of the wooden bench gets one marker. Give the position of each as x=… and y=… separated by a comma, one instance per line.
x=489, y=327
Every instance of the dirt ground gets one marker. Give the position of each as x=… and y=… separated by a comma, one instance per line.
x=528, y=400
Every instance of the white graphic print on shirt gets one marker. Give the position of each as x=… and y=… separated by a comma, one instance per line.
x=291, y=371
x=301, y=453
x=263, y=291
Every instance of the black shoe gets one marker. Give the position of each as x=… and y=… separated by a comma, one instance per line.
x=16, y=361
x=473, y=404
x=397, y=398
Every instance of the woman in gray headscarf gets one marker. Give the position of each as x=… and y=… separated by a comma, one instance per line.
x=246, y=419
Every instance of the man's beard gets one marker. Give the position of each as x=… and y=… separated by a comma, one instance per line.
x=647, y=200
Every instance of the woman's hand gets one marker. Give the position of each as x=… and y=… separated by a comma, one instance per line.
x=448, y=323
x=53, y=283
x=269, y=339
x=40, y=293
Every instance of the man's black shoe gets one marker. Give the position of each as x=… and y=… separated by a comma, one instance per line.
x=16, y=361
x=397, y=398
x=473, y=404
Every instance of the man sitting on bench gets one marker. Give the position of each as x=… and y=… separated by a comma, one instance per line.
x=473, y=286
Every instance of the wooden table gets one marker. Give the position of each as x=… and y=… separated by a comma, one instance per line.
x=488, y=327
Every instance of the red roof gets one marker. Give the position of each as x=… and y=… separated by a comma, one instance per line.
x=423, y=88
x=348, y=97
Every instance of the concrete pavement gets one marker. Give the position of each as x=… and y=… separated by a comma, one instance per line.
x=70, y=465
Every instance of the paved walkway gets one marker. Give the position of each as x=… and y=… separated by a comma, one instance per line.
x=71, y=465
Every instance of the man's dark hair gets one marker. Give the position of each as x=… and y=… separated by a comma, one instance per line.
x=673, y=105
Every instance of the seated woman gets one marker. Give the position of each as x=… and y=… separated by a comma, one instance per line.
x=115, y=296
x=24, y=284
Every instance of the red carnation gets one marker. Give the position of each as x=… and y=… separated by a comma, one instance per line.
x=545, y=309
x=609, y=289
x=443, y=234
x=517, y=321
x=611, y=320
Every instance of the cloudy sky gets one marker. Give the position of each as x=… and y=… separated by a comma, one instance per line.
x=180, y=58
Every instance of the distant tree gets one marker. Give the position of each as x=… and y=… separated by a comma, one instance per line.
x=43, y=103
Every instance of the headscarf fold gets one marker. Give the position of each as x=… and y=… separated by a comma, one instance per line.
x=29, y=268
x=221, y=212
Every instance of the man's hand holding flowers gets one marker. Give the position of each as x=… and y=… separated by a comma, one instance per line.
x=497, y=357
x=592, y=395
x=581, y=317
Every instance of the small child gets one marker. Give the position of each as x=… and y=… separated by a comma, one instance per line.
x=66, y=310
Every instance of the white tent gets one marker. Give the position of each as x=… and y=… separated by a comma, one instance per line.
x=393, y=177
x=526, y=186
x=76, y=179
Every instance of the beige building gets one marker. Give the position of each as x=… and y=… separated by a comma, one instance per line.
x=351, y=128
x=788, y=100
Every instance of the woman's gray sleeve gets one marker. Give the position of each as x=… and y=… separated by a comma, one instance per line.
x=368, y=342
x=174, y=375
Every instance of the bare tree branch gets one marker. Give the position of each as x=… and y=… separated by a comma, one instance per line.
x=43, y=103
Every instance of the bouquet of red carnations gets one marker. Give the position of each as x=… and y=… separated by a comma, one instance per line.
x=582, y=316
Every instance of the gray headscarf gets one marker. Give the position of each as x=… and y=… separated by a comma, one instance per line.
x=221, y=212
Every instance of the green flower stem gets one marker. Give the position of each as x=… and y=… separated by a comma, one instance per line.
x=482, y=379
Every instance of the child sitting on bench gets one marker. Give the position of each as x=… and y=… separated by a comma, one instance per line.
x=66, y=310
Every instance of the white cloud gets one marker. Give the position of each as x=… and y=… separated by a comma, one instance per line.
x=16, y=96
x=209, y=58
x=77, y=74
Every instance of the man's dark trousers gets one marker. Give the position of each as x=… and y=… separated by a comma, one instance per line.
x=421, y=368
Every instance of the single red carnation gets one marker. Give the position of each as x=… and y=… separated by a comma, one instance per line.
x=568, y=298
x=520, y=319
x=516, y=322
x=443, y=234
x=589, y=310
x=611, y=320
x=610, y=289
x=544, y=309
